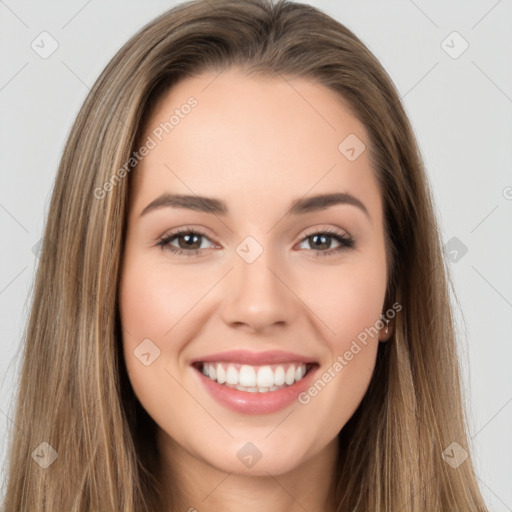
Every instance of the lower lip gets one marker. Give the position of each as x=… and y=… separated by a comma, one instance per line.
x=256, y=403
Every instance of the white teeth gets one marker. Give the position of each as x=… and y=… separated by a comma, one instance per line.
x=290, y=375
x=298, y=372
x=231, y=375
x=279, y=376
x=252, y=379
x=221, y=374
x=247, y=376
x=265, y=377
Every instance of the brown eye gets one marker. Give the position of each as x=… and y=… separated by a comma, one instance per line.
x=189, y=242
x=321, y=242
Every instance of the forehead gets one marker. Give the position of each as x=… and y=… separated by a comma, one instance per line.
x=258, y=136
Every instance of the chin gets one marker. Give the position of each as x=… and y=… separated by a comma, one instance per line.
x=258, y=458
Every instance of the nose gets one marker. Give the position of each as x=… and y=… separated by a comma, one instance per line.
x=258, y=297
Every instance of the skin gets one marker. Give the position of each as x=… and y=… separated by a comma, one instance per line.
x=257, y=144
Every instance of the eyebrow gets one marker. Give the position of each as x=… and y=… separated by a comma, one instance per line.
x=218, y=207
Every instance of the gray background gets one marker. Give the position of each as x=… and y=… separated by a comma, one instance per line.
x=460, y=109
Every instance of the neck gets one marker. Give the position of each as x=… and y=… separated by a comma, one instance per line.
x=191, y=484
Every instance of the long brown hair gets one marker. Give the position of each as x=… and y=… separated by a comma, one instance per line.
x=74, y=393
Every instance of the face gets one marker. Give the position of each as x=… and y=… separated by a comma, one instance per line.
x=249, y=317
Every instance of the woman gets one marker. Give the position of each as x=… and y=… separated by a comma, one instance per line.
x=242, y=301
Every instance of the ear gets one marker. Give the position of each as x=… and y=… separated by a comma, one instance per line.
x=386, y=332
x=389, y=323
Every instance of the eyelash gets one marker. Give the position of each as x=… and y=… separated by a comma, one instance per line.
x=346, y=242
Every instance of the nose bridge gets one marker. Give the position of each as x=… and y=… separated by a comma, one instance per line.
x=257, y=294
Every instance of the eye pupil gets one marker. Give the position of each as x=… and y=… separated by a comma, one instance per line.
x=190, y=239
x=323, y=237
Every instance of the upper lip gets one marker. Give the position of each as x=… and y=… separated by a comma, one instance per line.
x=254, y=358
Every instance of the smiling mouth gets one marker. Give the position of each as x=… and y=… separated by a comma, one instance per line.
x=254, y=379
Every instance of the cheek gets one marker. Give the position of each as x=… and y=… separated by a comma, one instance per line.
x=146, y=301
x=149, y=309
x=346, y=299
x=154, y=297
x=157, y=302
x=142, y=303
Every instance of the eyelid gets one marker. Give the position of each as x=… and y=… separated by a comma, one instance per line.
x=185, y=230
x=331, y=230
